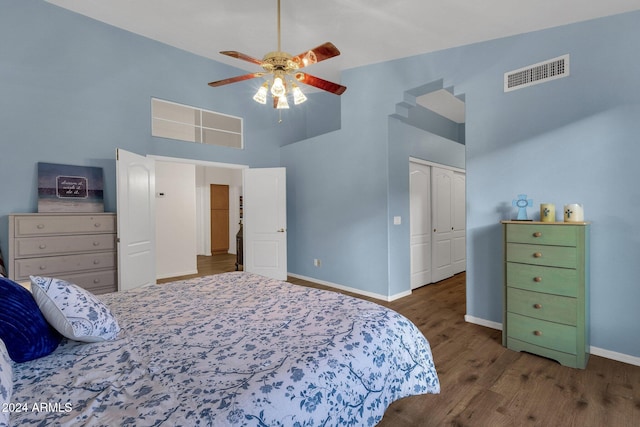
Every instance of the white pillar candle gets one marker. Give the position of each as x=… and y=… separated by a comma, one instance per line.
x=573, y=212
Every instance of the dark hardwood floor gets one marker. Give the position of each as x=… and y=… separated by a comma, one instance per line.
x=485, y=384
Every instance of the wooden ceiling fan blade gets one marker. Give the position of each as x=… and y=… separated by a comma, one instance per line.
x=320, y=83
x=315, y=55
x=242, y=56
x=235, y=79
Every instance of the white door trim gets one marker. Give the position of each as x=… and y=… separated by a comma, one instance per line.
x=198, y=162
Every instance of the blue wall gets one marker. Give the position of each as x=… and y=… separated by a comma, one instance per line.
x=73, y=89
x=565, y=141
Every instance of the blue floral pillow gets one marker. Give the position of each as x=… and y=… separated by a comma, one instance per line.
x=24, y=330
x=6, y=384
x=73, y=311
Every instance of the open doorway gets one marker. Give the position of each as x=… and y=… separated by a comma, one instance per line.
x=437, y=182
x=264, y=209
x=437, y=222
x=183, y=214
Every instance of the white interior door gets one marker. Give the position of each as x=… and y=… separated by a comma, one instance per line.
x=442, y=223
x=265, y=222
x=420, y=223
x=135, y=188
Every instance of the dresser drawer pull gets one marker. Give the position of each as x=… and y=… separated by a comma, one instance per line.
x=43, y=246
x=96, y=243
x=43, y=267
x=537, y=234
x=537, y=279
x=96, y=261
x=97, y=225
x=537, y=333
x=537, y=306
x=537, y=255
x=96, y=281
x=40, y=226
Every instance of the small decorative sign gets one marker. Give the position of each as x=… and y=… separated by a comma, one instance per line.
x=66, y=188
x=71, y=187
x=522, y=203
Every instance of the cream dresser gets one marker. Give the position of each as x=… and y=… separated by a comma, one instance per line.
x=546, y=291
x=77, y=247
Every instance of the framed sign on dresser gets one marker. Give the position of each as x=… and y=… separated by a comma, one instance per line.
x=77, y=247
x=546, y=290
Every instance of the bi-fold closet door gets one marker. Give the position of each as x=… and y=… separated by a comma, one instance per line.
x=437, y=224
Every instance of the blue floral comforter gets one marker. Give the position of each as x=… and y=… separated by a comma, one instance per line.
x=234, y=349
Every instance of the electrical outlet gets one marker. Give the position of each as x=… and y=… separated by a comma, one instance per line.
x=316, y=262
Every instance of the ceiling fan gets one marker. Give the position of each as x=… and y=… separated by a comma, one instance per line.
x=283, y=70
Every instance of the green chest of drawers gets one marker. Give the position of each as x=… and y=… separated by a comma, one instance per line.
x=546, y=292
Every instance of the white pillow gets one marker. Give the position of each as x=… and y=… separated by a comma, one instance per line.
x=73, y=311
x=6, y=383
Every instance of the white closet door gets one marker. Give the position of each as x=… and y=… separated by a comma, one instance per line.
x=420, y=223
x=442, y=181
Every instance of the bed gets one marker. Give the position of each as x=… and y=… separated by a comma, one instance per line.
x=233, y=349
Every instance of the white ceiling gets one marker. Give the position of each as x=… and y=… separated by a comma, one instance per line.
x=444, y=103
x=365, y=31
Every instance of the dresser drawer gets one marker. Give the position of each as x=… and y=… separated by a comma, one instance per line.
x=559, y=235
x=553, y=256
x=542, y=306
x=96, y=282
x=542, y=333
x=51, y=266
x=40, y=225
x=41, y=246
x=551, y=280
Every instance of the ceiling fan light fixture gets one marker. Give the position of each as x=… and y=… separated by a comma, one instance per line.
x=261, y=95
x=283, y=104
x=278, y=88
x=298, y=96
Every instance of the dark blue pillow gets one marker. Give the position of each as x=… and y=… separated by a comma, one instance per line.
x=23, y=328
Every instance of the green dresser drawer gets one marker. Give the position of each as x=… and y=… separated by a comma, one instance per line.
x=542, y=333
x=552, y=256
x=559, y=235
x=542, y=306
x=551, y=280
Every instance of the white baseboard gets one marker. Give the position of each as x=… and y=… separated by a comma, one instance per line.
x=352, y=290
x=596, y=351
x=483, y=322
x=620, y=357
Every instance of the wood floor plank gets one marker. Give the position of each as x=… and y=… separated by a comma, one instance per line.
x=485, y=384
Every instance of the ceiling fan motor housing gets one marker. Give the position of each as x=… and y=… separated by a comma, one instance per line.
x=278, y=61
